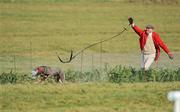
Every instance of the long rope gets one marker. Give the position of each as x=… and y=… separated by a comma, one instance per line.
x=73, y=56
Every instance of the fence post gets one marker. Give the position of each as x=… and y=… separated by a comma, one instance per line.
x=0, y=66
x=14, y=63
x=101, y=55
x=92, y=62
x=82, y=62
x=30, y=54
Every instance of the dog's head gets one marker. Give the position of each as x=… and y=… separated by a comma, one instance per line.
x=37, y=71
x=34, y=73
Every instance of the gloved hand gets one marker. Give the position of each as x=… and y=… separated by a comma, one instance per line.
x=170, y=55
x=130, y=20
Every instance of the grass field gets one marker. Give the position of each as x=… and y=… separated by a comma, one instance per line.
x=56, y=26
x=87, y=97
x=32, y=31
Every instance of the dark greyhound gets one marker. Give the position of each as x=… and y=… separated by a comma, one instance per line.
x=44, y=72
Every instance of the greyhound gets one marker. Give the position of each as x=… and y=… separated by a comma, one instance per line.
x=44, y=72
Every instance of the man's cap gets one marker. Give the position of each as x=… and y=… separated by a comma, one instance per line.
x=149, y=26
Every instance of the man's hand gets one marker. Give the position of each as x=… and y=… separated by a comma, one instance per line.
x=170, y=55
x=131, y=21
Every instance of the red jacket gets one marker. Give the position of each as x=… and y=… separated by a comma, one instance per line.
x=156, y=39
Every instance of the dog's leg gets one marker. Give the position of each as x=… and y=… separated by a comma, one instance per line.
x=62, y=77
x=57, y=78
x=41, y=79
x=60, y=81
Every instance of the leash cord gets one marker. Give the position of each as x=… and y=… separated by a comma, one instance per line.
x=89, y=46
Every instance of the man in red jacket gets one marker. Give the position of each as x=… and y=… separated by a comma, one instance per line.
x=150, y=44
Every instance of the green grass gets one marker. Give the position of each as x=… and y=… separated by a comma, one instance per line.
x=47, y=26
x=118, y=74
x=57, y=25
x=87, y=97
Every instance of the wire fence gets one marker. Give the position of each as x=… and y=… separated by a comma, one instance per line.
x=19, y=63
x=25, y=62
x=84, y=62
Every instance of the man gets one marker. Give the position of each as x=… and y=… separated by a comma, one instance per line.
x=150, y=44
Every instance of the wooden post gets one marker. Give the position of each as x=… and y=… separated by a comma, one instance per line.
x=100, y=55
x=92, y=62
x=30, y=54
x=82, y=62
x=14, y=63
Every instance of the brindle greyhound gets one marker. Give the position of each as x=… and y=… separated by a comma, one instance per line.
x=44, y=72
